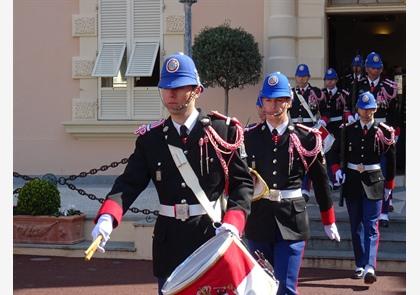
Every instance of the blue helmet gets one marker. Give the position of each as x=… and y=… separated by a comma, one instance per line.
x=357, y=61
x=366, y=100
x=259, y=100
x=330, y=74
x=373, y=60
x=178, y=70
x=275, y=85
x=302, y=70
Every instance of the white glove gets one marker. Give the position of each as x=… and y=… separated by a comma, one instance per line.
x=356, y=116
x=351, y=119
x=387, y=193
x=227, y=226
x=332, y=232
x=322, y=122
x=104, y=227
x=340, y=177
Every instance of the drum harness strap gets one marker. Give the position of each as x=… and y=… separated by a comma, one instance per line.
x=306, y=106
x=191, y=180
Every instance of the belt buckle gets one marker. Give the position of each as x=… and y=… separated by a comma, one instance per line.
x=360, y=167
x=182, y=211
x=300, y=119
x=275, y=195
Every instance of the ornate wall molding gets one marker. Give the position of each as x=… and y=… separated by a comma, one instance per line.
x=82, y=67
x=175, y=24
x=84, y=109
x=84, y=25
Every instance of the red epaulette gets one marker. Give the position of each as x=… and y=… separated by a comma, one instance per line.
x=309, y=129
x=388, y=128
x=223, y=117
x=143, y=129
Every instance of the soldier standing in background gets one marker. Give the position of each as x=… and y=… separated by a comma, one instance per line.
x=334, y=111
x=305, y=108
x=385, y=93
x=352, y=80
x=363, y=143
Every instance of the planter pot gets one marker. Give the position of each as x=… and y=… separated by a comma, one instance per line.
x=48, y=229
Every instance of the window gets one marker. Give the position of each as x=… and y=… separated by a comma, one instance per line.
x=127, y=64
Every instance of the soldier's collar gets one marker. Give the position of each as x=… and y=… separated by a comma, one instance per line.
x=189, y=123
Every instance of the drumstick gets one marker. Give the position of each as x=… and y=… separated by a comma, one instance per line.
x=92, y=248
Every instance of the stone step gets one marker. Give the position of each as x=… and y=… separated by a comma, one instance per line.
x=389, y=242
x=394, y=262
x=396, y=225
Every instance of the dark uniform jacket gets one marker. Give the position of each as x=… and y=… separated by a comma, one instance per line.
x=357, y=148
x=271, y=161
x=313, y=96
x=352, y=86
x=174, y=240
x=385, y=94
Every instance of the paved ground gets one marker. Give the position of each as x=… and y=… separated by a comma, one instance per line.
x=36, y=275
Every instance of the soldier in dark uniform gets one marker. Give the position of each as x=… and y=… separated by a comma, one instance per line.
x=282, y=152
x=182, y=225
x=305, y=113
x=385, y=93
x=351, y=82
x=334, y=111
x=362, y=144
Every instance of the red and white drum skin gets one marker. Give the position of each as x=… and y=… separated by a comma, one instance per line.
x=222, y=265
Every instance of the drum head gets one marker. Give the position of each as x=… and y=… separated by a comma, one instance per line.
x=197, y=263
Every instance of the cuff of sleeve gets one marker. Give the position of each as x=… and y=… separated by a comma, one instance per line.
x=110, y=207
x=328, y=216
x=325, y=118
x=236, y=218
x=390, y=184
x=335, y=168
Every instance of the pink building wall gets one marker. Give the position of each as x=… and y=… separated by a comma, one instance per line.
x=43, y=90
x=44, y=87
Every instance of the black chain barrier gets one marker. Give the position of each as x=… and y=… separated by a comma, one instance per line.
x=65, y=181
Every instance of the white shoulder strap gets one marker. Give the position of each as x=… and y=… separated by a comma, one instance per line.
x=306, y=106
x=191, y=180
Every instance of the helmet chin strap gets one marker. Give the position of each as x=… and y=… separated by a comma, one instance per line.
x=185, y=105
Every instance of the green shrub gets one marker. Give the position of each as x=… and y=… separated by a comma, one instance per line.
x=38, y=197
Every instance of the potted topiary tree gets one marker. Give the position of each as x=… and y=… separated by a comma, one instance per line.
x=37, y=218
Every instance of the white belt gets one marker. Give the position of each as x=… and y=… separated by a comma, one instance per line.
x=277, y=195
x=335, y=119
x=380, y=120
x=183, y=211
x=361, y=168
x=300, y=120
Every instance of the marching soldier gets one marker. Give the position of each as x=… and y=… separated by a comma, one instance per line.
x=183, y=223
x=362, y=144
x=305, y=108
x=385, y=93
x=334, y=111
x=282, y=152
x=352, y=81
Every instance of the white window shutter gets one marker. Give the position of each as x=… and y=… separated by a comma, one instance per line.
x=147, y=104
x=113, y=19
x=109, y=59
x=113, y=104
x=142, y=59
x=146, y=19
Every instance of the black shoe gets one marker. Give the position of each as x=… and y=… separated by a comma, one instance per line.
x=390, y=208
x=358, y=274
x=370, y=278
x=383, y=223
